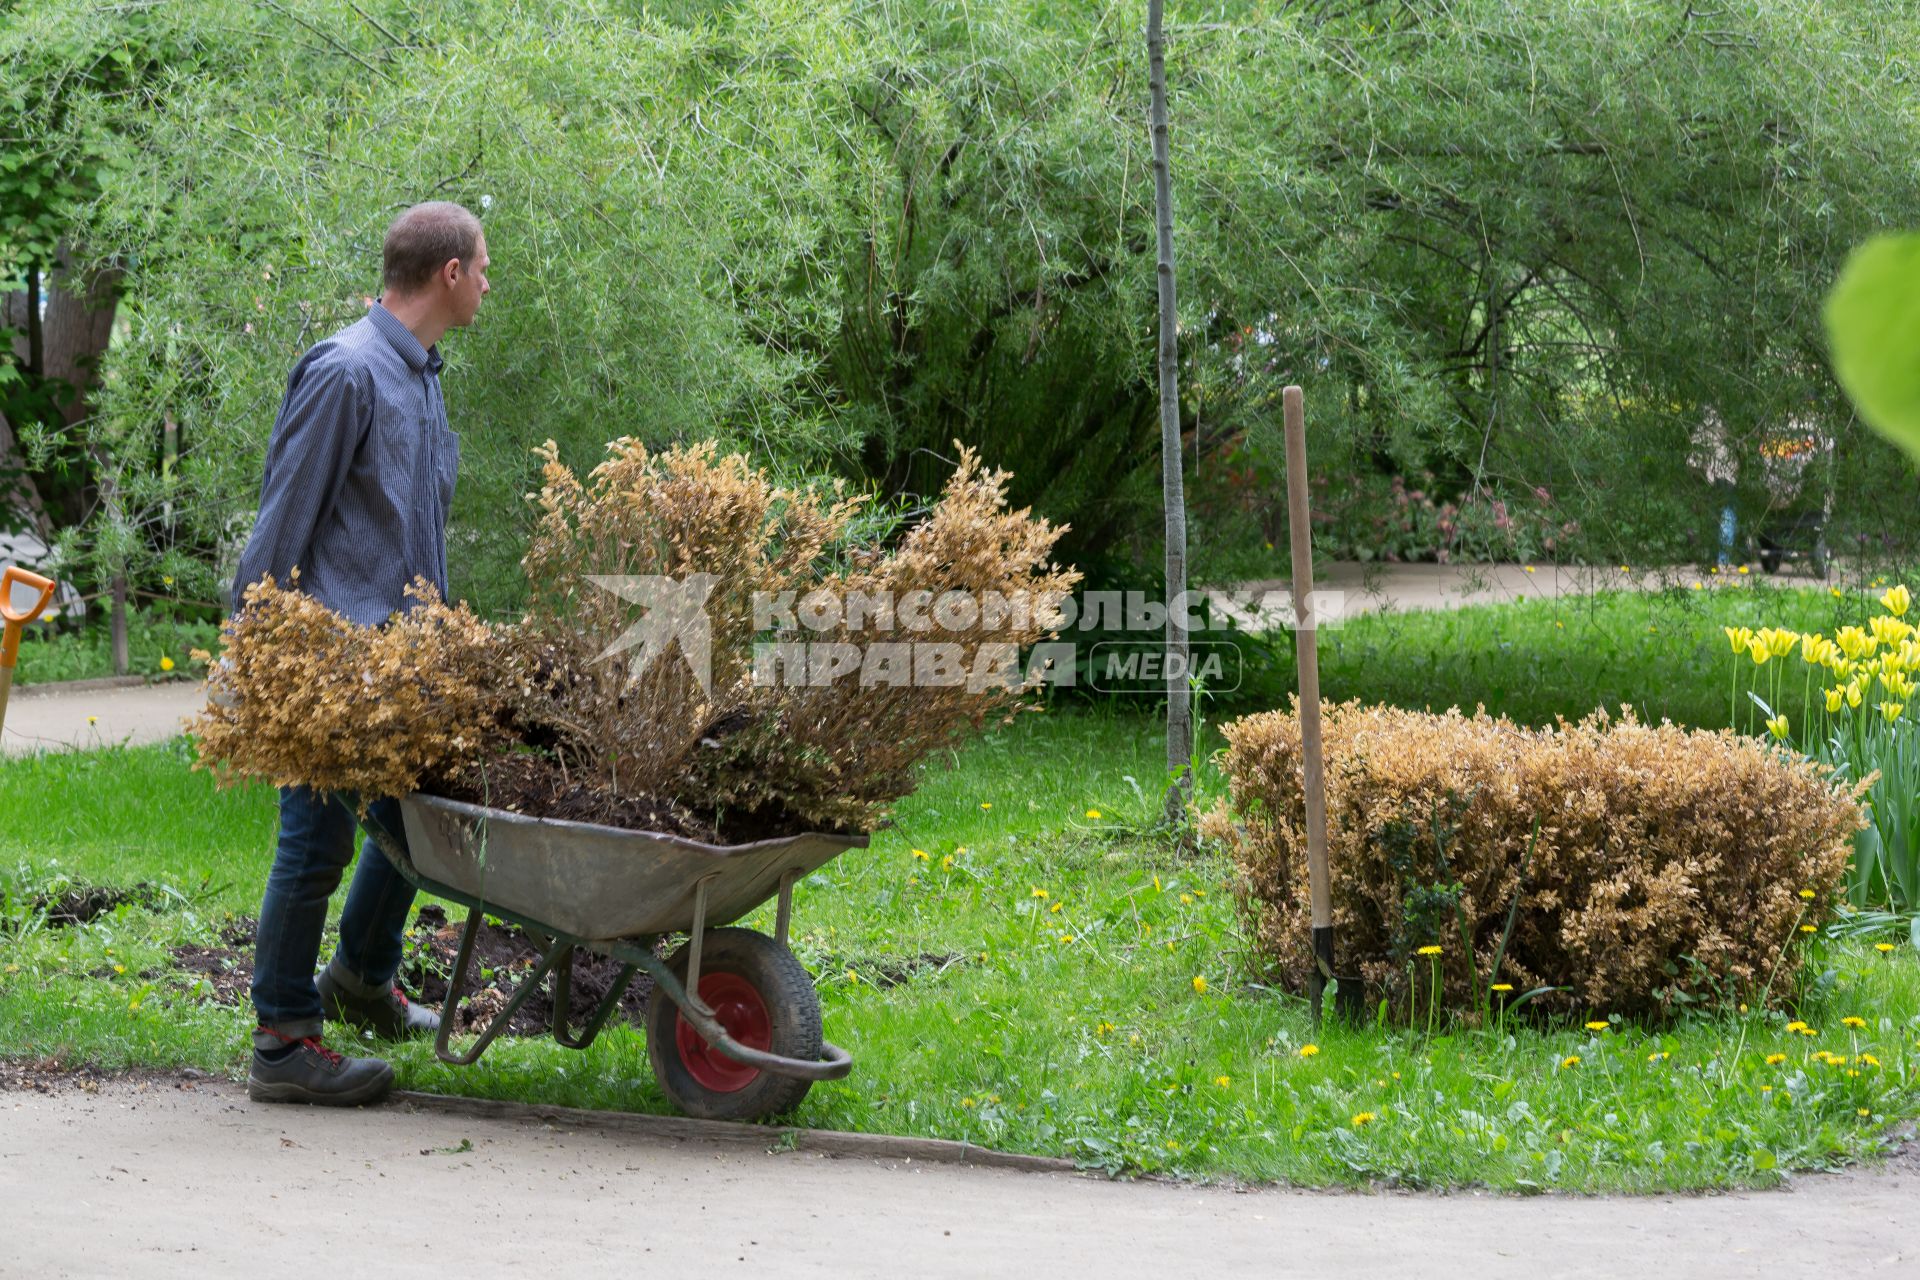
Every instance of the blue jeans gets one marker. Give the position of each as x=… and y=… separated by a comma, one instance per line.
x=316, y=844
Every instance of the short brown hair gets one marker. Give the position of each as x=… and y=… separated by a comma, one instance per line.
x=423, y=239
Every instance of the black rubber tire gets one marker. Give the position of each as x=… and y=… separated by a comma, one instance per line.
x=1770, y=561
x=793, y=1009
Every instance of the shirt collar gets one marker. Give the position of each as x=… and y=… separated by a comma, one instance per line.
x=396, y=333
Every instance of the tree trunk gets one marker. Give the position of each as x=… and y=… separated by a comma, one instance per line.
x=1173, y=490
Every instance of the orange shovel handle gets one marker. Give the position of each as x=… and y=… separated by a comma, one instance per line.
x=17, y=618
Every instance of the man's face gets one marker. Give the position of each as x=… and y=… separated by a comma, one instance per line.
x=470, y=285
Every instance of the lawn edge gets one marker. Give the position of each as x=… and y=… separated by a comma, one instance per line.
x=827, y=1142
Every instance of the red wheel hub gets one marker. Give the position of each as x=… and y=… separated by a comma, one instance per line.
x=740, y=1010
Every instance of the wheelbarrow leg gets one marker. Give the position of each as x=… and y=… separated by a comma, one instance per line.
x=457, y=985
x=562, y=997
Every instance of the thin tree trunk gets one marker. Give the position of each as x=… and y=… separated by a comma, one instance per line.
x=1179, y=698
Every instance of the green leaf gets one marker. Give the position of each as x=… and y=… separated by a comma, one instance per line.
x=1873, y=327
x=1763, y=1158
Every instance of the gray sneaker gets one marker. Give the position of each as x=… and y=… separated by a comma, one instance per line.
x=316, y=1074
x=388, y=1014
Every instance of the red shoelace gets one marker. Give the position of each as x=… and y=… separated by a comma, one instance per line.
x=327, y=1055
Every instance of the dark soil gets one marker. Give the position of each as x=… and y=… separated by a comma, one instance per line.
x=83, y=903
x=533, y=783
x=502, y=956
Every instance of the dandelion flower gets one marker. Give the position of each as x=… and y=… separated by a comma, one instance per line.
x=1807, y=928
x=119, y=968
x=1858, y=1024
x=986, y=804
x=1040, y=893
x=1066, y=937
x=1571, y=1060
x=1223, y=1081
x=1308, y=1050
x=946, y=863
x=1094, y=814
x=166, y=663
x=1103, y=1028
x=1503, y=986
x=1186, y=899
x=1775, y=1059
x=1199, y=985
x=1364, y=1118
x=1429, y=951
x=1884, y=948
x=1865, y=1112
x=1868, y=1059
x=920, y=855
x=1597, y=1026
x=1807, y=894
x=1660, y=1056
x=93, y=719
x=1796, y=1026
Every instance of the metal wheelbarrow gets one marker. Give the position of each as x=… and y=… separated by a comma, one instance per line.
x=733, y=1023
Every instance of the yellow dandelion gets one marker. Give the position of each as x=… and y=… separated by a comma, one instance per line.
x=1743, y=569
x=1055, y=908
x=1775, y=1059
x=93, y=719
x=1858, y=1024
x=946, y=863
x=1186, y=899
x=1066, y=937
x=1808, y=894
x=1199, y=985
x=1529, y=568
x=1865, y=1112
x=1503, y=986
x=119, y=968
x=1429, y=951
x=166, y=663
x=1571, y=1060
x=1597, y=1026
x=1364, y=1118
x=920, y=855
x=1040, y=893
x=1868, y=1059
x=1884, y=948
x=986, y=804
x=1104, y=1028
x=1094, y=814
x=1223, y=1081
x=1808, y=928
x=1308, y=1050
x=1660, y=1056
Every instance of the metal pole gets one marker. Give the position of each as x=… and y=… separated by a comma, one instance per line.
x=1314, y=781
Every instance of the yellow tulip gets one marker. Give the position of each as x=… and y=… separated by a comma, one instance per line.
x=1782, y=642
x=1891, y=710
x=1855, y=692
x=1778, y=726
x=1889, y=631
x=1812, y=646
x=1896, y=601
x=1898, y=685
x=1739, y=637
x=1759, y=652
x=1854, y=642
x=1834, y=698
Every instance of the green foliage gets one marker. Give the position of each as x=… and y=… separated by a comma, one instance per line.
x=1873, y=324
x=1516, y=243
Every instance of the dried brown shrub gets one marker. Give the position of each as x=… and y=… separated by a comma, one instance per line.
x=305, y=698
x=675, y=513
x=836, y=753
x=1667, y=869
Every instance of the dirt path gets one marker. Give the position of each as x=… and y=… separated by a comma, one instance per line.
x=166, y=1179
x=59, y=718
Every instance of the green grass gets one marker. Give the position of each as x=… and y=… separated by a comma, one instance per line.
x=1078, y=1031
x=1661, y=652
x=48, y=654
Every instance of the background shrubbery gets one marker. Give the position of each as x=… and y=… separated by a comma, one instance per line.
x=1668, y=869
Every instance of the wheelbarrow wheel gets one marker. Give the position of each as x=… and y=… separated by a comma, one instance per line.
x=765, y=1000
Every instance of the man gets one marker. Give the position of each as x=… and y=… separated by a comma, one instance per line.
x=359, y=475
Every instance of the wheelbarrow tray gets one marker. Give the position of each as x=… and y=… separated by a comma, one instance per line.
x=601, y=883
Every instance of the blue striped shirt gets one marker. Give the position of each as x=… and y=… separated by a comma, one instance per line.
x=359, y=475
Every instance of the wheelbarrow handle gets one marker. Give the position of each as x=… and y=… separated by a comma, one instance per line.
x=18, y=618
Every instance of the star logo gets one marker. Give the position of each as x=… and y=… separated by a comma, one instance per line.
x=676, y=615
